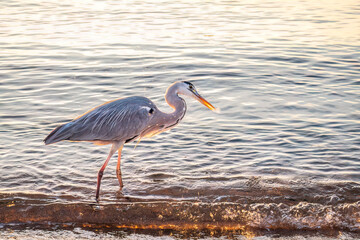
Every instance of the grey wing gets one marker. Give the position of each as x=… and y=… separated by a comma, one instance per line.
x=120, y=120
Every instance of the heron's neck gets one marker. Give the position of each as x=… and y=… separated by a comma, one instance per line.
x=177, y=103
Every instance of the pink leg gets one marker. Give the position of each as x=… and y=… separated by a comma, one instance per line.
x=113, y=149
x=118, y=169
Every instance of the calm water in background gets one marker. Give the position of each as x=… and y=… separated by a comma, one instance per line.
x=285, y=74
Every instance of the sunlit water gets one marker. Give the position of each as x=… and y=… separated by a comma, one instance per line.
x=285, y=74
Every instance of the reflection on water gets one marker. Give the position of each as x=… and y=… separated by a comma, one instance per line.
x=285, y=75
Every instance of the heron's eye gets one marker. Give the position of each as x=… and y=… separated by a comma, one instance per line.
x=151, y=111
x=191, y=87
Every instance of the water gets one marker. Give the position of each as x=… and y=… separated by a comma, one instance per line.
x=284, y=73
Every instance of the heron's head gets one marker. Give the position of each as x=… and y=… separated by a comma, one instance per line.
x=188, y=89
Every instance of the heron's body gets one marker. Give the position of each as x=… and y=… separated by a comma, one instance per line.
x=105, y=124
x=125, y=120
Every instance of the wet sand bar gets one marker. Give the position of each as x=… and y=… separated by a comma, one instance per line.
x=181, y=216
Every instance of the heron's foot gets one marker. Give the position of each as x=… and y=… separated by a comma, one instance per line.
x=120, y=194
x=96, y=206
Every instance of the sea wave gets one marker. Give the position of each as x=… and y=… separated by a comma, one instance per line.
x=182, y=215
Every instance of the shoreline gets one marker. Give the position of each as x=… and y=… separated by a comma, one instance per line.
x=220, y=219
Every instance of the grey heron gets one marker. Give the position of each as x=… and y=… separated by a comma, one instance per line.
x=125, y=120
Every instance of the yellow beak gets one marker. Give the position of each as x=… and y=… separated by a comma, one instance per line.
x=203, y=101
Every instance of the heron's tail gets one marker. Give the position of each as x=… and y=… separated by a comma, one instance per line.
x=62, y=132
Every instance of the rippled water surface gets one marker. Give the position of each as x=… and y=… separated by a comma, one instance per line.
x=285, y=74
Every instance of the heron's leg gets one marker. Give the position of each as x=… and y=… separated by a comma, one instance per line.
x=118, y=169
x=113, y=149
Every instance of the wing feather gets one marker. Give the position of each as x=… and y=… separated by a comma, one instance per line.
x=117, y=120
